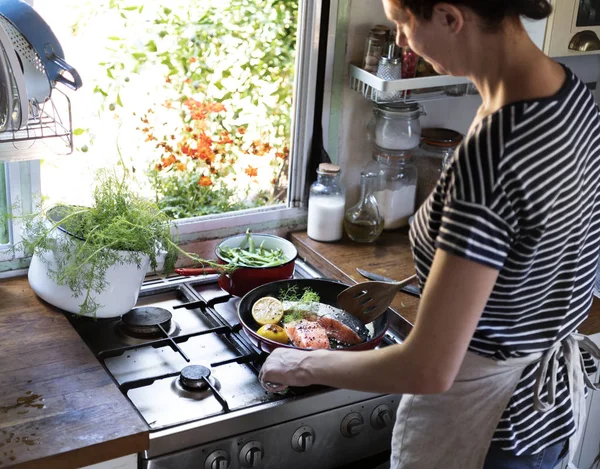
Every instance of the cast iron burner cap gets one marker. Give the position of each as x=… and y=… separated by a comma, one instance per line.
x=194, y=377
x=145, y=320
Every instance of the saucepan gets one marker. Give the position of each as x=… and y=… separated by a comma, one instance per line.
x=244, y=278
x=327, y=290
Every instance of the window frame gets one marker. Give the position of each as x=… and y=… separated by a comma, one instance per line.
x=23, y=183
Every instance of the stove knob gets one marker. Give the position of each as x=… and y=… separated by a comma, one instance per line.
x=352, y=425
x=217, y=460
x=251, y=454
x=303, y=439
x=382, y=417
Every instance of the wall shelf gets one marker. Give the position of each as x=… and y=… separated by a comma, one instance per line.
x=405, y=90
x=48, y=132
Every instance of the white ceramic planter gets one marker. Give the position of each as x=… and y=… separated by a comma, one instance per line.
x=123, y=283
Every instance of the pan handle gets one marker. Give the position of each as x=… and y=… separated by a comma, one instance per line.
x=192, y=272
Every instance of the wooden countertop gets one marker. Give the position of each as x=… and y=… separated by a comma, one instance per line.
x=390, y=256
x=58, y=406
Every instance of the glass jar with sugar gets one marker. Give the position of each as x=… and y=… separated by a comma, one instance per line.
x=397, y=187
x=326, y=204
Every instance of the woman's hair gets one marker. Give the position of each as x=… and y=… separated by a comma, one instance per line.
x=493, y=11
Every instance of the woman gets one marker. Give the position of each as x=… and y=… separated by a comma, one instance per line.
x=505, y=249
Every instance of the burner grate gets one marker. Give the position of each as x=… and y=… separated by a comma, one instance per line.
x=187, y=375
x=170, y=341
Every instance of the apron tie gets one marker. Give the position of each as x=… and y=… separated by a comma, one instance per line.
x=577, y=380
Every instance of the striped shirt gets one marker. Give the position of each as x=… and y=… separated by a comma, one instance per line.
x=522, y=195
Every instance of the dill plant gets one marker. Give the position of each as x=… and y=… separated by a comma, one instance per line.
x=119, y=228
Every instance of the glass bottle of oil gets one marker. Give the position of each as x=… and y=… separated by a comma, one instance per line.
x=364, y=222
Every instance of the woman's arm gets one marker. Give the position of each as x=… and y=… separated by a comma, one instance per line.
x=454, y=297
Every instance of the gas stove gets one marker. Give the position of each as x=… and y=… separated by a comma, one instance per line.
x=182, y=359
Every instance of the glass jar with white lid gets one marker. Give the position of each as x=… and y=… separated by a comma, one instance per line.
x=396, y=126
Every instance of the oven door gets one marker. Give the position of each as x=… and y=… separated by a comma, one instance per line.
x=378, y=461
x=573, y=28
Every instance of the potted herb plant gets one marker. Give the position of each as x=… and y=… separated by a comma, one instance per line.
x=92, y=260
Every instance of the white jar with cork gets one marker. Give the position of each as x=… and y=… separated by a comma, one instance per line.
x=326, y=205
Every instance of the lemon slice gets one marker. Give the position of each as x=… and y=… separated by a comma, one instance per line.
x=267, y=310
x=273, y=332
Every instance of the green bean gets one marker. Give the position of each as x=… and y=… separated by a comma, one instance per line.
x=252, y=256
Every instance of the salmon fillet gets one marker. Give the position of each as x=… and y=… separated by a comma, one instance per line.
x=307, y=334
x=339, y=331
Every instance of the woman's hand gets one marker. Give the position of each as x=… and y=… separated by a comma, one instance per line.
x=285, y=367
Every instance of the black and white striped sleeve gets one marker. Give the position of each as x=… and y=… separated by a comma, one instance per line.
x=477, y=219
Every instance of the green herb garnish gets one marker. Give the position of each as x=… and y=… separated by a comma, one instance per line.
x=302, y=304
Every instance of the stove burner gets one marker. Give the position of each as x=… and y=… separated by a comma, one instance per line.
x=194, y=377
x=147, y=321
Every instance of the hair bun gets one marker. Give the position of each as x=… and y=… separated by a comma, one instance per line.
x=532, y=9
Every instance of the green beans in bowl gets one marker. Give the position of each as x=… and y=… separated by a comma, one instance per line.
x=258, y=258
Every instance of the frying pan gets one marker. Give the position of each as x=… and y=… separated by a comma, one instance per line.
x=327, y=290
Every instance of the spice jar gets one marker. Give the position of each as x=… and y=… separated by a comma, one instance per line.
x=396, y=187
x=364, y=222
x=437, y=146
x=376, y=44
x=396, y=126
x=326, y=204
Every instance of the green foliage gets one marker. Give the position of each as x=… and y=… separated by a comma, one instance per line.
x=238, y=53
x=178, y=195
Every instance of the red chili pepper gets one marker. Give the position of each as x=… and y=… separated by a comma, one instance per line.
x=190, y=272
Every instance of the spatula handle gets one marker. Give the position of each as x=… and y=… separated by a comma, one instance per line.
x=406, y=281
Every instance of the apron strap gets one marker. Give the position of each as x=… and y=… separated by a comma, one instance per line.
x=571, y=348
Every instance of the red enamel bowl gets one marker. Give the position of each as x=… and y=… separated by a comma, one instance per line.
x=244, y=279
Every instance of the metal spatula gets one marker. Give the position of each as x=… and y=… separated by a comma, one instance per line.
x=369, y=300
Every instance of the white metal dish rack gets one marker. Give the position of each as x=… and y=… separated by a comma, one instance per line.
x=404, y=90
x=49, y=131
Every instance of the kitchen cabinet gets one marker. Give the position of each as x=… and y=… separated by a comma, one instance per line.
x=589, y=448
x=126, y=462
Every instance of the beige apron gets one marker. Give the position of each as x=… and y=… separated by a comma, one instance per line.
x=453, y=430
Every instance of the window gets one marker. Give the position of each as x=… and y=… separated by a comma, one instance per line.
x=210, y=104
x=97, y=131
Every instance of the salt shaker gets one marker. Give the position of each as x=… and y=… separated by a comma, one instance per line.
x=390, y=68
x=326, y=205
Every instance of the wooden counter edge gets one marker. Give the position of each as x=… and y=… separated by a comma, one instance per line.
x=89, y=455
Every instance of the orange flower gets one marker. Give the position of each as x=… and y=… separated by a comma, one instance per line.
x=241, y=130
x=188, y=80
x=181, y=166
x=167, y=79
x=205, y=181
x=251, y=171
x=158, y=167
x=192, y=60
x=186, y=150
x=168, y=104
x=168, y=161
x=225, y=138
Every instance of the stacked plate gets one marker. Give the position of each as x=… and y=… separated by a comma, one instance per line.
x=14, y=103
